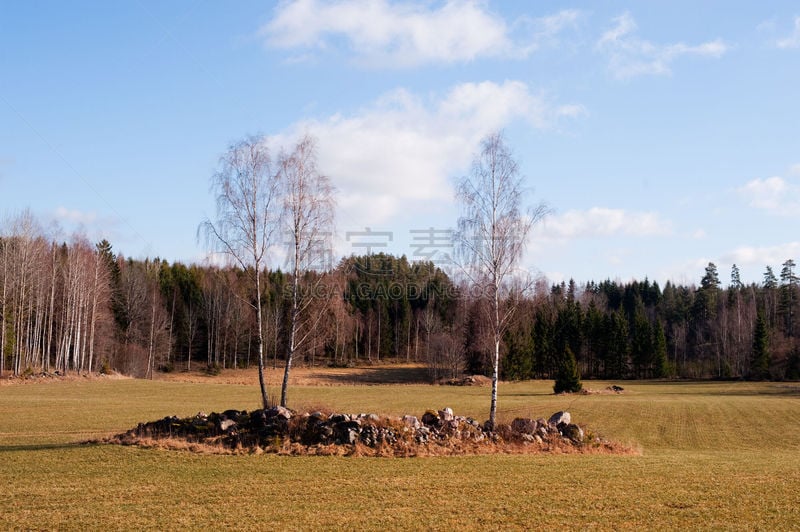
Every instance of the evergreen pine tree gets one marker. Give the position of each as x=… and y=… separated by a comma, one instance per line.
x=736, y=278
x=593, y=331
x=543, y=349
x=618, y=346
x=793, y=366
x=642, y=343
x=660, y=364
x=119, y=303
x=711, y=279
x=518, y=362
x=770, y=297
x=568, y=379
x=759, y=361
x=770, y=281
x=788, y=289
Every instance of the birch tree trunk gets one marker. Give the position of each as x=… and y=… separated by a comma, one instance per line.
x=308, y=212
x=491, y=237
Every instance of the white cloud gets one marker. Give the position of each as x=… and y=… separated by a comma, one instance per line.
x=599, y=222
x=767, y=25
x=399, y=154
x=751, y=261
x=773, y=194
x=90, y=224
x=686, y=272
x=75, y=217
x=795, y=170
x=762, y=256
x=630, y=56
x=625, y=25
x=384, y=34
x=793, y=40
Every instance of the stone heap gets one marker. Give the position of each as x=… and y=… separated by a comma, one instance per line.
x=275, y=427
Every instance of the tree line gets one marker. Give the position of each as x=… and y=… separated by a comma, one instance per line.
x=639, y=330
x=74, y=306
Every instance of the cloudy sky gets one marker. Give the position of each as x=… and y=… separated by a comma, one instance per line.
x=663, y=135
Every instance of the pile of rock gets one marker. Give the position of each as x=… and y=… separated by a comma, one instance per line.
x=559, y=424
x=469, y=380
x=278, y=426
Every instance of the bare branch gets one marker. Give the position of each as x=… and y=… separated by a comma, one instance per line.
x=492, y=233
x=248, y=210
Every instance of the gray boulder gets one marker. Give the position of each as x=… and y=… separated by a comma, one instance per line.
x=524, y=425
x=412, y=421
x=560, y=418
x=279, y=411
x=371, y=435
x=573, y=432
x=347, y=432
x=446, y=414
x=430, y=418
x=226, y=424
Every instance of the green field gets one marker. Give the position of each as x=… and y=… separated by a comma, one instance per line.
x=712, y=456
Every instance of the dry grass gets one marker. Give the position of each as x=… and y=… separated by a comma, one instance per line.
x=714, y=456
x=39, y=378
x=309, y=376
x=401, y=449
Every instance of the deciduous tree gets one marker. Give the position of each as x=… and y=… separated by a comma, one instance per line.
x=247, y=188
x=308, y=215
x=492, y=233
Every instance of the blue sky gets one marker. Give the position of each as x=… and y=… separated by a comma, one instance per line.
x=663, y=135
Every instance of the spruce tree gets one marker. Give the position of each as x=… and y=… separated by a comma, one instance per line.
x=759, y=361
x=660, y=364
x=618, y=346
x=518, y=362
x=788, y=288
x=793, y=366
x=568, y=379
x=770, y=281
x=642, y=343
x=736, y=278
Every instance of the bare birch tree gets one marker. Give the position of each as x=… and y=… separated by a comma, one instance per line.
x=491, y=237
x=3, y=292
x=308, y=214
x=247, y=212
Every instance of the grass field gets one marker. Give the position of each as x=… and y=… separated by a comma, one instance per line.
x=713, y=456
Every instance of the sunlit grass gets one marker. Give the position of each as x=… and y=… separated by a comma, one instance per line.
x=714, y=455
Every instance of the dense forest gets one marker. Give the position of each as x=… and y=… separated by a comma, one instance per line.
x=75, y=306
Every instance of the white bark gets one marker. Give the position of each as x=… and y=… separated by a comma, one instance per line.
x=247, y=188
x=308, y=215
x=492, y=234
